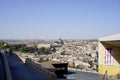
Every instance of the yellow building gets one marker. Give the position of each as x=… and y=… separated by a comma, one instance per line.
x=109, y=55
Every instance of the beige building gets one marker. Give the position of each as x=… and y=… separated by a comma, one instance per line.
x=43, y=45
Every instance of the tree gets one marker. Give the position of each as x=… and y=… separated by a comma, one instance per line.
x=41, y=60
x=53, y=50
x=44, y=50
x=63, y=53
x=2, y=45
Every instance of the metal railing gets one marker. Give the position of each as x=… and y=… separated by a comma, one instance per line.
x=105, y=76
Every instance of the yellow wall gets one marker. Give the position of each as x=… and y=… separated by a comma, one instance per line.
x=111, y=69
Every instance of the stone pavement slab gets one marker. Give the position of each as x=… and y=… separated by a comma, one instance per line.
x=20, y=71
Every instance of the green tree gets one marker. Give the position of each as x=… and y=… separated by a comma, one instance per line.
x=53, y=50
x=41, y=50
x=63, y=53
x=44, y=50
x=2, y=45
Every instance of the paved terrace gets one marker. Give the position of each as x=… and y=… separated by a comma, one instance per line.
x=2, y=74
x=20, y=71
x=79, y=75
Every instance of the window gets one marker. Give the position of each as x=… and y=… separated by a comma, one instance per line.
x=108, y=56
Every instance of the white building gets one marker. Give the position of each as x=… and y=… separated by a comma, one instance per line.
x=43, y=45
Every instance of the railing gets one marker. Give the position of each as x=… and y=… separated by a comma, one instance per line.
x=105, y=76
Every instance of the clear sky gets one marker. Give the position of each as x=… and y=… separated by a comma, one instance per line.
x=53, y=19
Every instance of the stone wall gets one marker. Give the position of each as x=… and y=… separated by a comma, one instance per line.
x=41, y=69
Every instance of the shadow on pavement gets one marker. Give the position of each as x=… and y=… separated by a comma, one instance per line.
x=71, y=72
x=63, y=77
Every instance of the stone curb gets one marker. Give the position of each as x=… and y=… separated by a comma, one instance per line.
x=6, y=67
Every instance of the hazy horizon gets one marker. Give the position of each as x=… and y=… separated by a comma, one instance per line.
x=47, y=39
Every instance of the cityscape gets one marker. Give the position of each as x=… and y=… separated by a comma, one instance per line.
x=60, y=40
x=77, y=55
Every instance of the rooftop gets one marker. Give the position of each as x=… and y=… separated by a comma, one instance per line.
x=113, y=40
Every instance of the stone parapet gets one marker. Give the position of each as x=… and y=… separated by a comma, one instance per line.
x=41, y=69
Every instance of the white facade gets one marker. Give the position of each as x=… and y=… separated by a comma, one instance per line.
x=43, y=45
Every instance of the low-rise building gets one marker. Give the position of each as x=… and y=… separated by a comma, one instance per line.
x=109, y=55
x=43, y=45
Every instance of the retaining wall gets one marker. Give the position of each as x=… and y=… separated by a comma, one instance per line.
x=41, y=69
x=19, y=57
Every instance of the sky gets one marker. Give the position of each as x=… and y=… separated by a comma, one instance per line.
x=53, y=19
